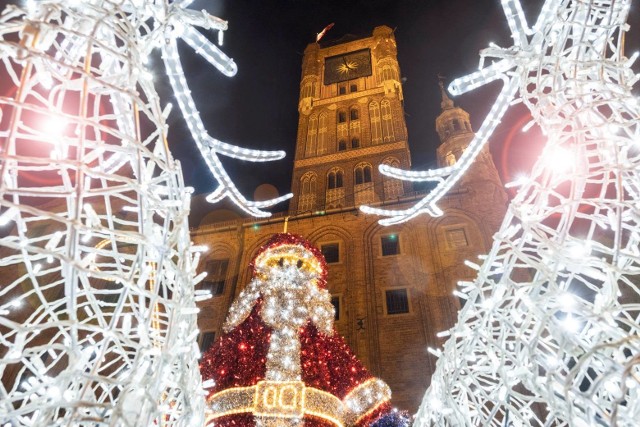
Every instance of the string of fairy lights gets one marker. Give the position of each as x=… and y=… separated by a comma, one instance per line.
x=97, y=307
x=549, y=333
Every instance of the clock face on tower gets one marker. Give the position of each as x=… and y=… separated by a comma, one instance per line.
x=347, y=66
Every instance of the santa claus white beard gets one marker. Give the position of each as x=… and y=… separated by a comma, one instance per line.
x=283, y=312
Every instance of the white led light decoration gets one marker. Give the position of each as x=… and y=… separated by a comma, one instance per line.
x=550, y=332
x=97, y=299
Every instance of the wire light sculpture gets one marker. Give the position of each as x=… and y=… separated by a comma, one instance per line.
x=549, y=335
x=97, y=299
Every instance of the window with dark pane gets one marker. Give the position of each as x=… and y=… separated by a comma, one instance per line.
x=216, y=276
x=342, y=117
x=342, y=90
x=354, y=88
x=342, y=145
x=359, y=176
x=339, y=179
x=335, y=300
x=355, y=143
x=367, y=174
x=397, y=301
x=390, y=245
x=206, y=340
x=331, y=252
x=354, y=114
x=331, y=182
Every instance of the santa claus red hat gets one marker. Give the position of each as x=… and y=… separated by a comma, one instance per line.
x=287, y=247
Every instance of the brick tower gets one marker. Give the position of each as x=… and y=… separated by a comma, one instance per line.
x=391, y=286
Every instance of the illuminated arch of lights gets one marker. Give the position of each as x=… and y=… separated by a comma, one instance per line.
x=97, y=302
x=550, y=332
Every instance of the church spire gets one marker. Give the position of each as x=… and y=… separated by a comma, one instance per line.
x=446, y=103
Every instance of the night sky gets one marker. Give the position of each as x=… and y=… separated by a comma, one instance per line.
x=266, y=38
x=258, y=107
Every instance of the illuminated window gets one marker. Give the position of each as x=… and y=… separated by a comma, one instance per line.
x=390, y=245
x=322, y=134
x=387, y=121
x=397, y=301
x=312, y=136
x=376, y=126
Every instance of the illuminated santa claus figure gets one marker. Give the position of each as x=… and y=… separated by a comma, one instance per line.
x=280, y=362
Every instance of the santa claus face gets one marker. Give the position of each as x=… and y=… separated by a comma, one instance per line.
x=291, y=264
x=289, y=279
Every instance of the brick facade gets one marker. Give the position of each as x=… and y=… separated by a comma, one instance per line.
x=431, y=251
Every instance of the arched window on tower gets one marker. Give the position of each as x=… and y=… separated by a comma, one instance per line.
x=363, y=173
x=342, y=116
x=312, y=136
x=331, y=181
x=363, y=189
x=322, y=134
x=342, y=145
x=354, y=113
x=392, y=187
x=307, y=200
x=335, y=189
x=376, y=125
x=355, y=142
x=387, y=121
x=456, y=125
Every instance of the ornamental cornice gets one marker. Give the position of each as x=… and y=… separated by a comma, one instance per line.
x=350, y=154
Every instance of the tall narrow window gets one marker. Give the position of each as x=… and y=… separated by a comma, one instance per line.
x=354, y=114
x=387, y=121
x=359, y=176
x=342, y=116
x=367, y=174
x=322, y=134
x=342, y=145
x=206, y=340
x=335, y=300
x=392, y=187
x=312, y=136
x=307, y=198
x=376, y=125
x=339, y=176
x=216, y=276
x=331, y=181
x=355, y=143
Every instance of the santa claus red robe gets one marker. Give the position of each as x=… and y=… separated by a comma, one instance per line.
x=238, y=359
